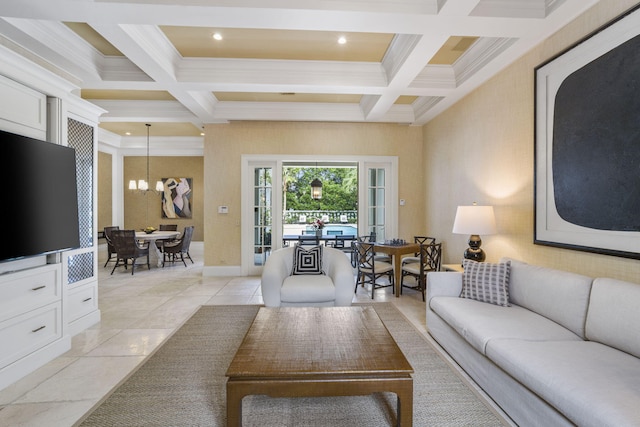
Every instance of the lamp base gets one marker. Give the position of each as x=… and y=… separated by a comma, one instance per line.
x=474, y=252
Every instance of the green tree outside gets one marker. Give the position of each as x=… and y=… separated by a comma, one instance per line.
x=339, y=188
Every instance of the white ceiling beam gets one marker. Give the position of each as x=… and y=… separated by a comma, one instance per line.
x=292, y=18
x=567, y=11
x=295, y=111
x=458, y=7
x=57, y=44
x=150, y=50
x=281, y=72
x=125, y=111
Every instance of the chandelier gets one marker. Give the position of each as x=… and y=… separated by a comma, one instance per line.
x=142, y=184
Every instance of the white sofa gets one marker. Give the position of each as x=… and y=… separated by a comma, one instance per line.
x=334, y=288
x=567, y=350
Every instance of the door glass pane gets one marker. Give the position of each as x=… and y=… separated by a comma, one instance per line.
x=376, y=194
x=262, y=215
x=372, y=177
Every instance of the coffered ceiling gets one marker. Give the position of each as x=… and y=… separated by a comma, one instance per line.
x=157, y=61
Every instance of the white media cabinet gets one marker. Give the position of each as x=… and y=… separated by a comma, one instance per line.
x=47, y=299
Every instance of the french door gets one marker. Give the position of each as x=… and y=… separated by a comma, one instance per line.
x=259, y=209
x=262, y=202
x=376, y=190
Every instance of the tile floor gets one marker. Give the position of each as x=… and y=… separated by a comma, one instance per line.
x=139, y=313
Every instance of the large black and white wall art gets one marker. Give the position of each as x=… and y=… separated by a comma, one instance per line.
x=587, y=153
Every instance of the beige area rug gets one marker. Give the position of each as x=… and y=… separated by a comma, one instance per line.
x=183, y=384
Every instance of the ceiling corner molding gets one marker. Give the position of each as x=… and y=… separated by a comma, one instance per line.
x=400, y=114
x=400, y=49
x=480, y=54
x=423, y=105
x=436, y=77
x=367, y=103
x=117, y=68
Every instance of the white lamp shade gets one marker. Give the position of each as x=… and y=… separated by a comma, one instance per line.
x=142, y=185
x=132, y=185
x=159, y=186
x=475, y=220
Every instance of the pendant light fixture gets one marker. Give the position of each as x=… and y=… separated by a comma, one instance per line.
x=143, y=185
x=316, y=187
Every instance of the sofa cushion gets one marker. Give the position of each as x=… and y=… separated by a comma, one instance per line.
x=486, y=282
x=558, y=295
x=614, y=314
x=307, y=261
x=590, y=383
x=478, y=322
x=307, y=288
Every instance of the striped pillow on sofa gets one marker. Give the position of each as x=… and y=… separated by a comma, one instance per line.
x=486, y=282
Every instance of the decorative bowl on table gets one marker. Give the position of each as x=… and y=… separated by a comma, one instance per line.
x=149, y=230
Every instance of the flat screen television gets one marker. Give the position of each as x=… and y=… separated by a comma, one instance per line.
x=40, y=203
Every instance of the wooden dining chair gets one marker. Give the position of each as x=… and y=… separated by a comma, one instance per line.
x=371, y=238
x=420, y=240
x=430, y=260
x=370, y=269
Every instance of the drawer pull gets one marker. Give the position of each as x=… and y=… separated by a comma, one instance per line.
x=38, y=288
x=39, y=329
x=87, y=299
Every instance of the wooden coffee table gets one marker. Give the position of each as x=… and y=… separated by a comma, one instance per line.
x=309, y=351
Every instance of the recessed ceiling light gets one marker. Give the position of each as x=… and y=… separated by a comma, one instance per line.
x=201, y=133
x=217, y=36
x=127, y=133
x=342, y=40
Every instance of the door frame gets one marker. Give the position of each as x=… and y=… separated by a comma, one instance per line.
x=249, y=161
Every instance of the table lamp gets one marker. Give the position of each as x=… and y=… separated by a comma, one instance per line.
x=474, y=220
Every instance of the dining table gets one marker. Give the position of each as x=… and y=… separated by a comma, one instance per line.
x=327, y=239
x=396, y=251
x=151, y=238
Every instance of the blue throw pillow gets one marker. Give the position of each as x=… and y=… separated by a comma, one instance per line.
x=307, y=261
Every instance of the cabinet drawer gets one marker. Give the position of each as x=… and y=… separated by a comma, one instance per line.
x=82, y=300
x=30, y=331
x=29, y=289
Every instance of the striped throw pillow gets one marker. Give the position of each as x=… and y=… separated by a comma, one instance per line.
x=307, y=261
x=486, y=282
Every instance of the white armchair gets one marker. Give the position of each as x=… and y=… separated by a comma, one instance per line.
x=334, y=288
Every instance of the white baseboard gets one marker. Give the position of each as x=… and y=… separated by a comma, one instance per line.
x=235, y=270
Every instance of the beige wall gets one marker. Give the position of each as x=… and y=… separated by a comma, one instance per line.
x=105, y=213
x=226, y=143
x=137, y=206
x=482, y=150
